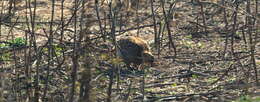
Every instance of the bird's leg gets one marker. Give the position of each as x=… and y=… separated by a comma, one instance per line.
x=128, y=66
x=131, y=68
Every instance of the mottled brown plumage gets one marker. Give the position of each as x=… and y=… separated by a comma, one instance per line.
x=134, y=50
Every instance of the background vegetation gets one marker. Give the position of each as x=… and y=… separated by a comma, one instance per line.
x=62, y=50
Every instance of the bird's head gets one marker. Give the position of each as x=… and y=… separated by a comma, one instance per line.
x=148, y=57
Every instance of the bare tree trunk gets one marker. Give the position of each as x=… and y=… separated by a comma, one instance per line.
x=252, y=43
x=156, y=37
x=234, y=27
x=166, y=21
x=75, y=55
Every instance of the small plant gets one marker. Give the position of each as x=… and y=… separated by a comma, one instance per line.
x=258, y=62
x=57, y=49
x=189, y=37
x=212, y=79
x=3, y=45
x=5, y=57
x=191, y=44
x=104, y=56
x=195, y=76
x=116, y=61
x=17, y=42
x=247, y=98
x=174, y=85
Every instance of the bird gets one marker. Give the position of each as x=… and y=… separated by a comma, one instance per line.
x=134, y=51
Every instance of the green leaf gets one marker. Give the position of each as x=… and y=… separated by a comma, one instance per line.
x=174, y=84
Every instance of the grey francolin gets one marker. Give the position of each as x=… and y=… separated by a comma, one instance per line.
x=134, y=50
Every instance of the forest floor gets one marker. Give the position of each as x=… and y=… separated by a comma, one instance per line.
x=203, y=69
